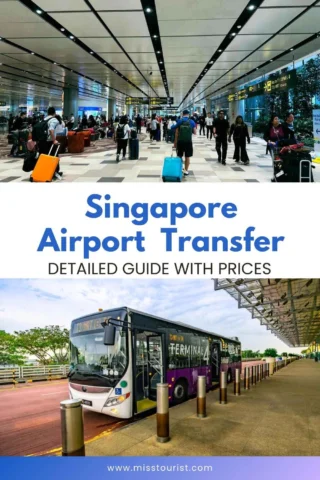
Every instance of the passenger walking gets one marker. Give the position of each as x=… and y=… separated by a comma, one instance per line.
x=186, y=127
x=153, y=128
x=221, y=131
x=122, y=136
x=138, y=123
x=202, y=123
x=276, y=132
x=239, y=132
x=209, y=125
x=289, y=132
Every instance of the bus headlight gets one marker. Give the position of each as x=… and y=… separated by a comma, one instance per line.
x=111, y=402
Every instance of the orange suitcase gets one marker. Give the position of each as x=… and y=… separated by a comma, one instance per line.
x=45, y=167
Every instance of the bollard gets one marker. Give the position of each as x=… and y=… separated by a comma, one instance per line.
x=163, y=413
x=201, y=397
x=254, y=375
x=271, y=369
x=237, y=391
x=268, y=369
x=223, y=388
x=72, y=428
x=247, y=379
x=261, y=372
x=258, y=373
x=250, y=377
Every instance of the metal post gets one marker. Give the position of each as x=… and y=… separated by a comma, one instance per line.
x=268, y=372
x=271, y=368
x=72, y=428
x=237, y=391
x=223, y=388
x=163, y=413
x=258, y=373
x=201, y=397
x=247, y=379
x=254, y=375
x=250, y=377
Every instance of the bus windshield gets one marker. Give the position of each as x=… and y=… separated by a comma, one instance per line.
x=93, y=363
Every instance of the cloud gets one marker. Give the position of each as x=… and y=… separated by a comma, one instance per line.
x=26, y=304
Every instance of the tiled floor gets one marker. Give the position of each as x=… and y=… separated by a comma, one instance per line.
x=102, y=166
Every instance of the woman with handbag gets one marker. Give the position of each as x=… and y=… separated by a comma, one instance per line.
x=239, y=132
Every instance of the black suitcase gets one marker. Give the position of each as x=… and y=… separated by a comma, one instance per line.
x=133, y=149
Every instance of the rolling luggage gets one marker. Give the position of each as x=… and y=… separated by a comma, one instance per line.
x=294, y=166
x=75, y=143
x=45, y=167
x=133, y=149
x=172, y=169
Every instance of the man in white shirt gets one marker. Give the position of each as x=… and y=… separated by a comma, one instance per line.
x=209, y=125
x=45, y=145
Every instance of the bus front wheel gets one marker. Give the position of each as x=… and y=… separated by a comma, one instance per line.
x=180, y=392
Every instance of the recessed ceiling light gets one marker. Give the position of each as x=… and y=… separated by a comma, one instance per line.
x=62, y=29
x=220, y=50
x=39, y=12
x=233, y=34
x=54, y=63
x=291, y=49
x=91, y=53
x=251, y=7
x=211, y=62
x=257, y=68
x=160, y=62
x=155, y=36
x=158, y=51
x=271, y=60
x=32, y=53
x=71, y=37
x=148, y=10
x=238, y=26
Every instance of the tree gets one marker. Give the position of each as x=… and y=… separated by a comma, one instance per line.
x=48, y=344
x=284, y=354
x=304, y=352
x=9, y=351
x=270, y=352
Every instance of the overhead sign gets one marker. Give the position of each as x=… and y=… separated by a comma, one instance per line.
x=316, y=130
x=91, y=109
x=273, y=85
x=137, y=101
x=151, y=101
x=161, y=100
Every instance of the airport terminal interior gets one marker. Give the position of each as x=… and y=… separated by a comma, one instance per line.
x=99, y=60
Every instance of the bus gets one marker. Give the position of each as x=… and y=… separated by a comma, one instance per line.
x=119, y=356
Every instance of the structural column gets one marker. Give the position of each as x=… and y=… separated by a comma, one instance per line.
x=70, y=102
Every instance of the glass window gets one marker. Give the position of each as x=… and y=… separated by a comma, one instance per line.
x=188, y=350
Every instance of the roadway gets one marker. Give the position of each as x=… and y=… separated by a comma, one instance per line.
x=30, y=419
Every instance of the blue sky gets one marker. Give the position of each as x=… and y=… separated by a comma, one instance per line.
x=31, y=303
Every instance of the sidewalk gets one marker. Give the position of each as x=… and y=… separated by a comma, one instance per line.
x=279, y=416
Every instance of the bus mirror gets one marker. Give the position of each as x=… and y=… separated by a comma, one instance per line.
x=109, y=334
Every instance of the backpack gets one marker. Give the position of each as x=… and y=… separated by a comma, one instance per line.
x=120, y=132
x=185, y=132
x=40, y=131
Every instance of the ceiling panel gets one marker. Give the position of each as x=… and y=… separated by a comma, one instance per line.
x=126, y=24
x=196, y=10
x=13, y=11
x=83, y=24
x=5, y=48
x=106, y=45
x=200, y=27
x=233, y=56
x=284, y=42
x=62, y=5
x=270, y=20
x=308, y=23
x=247, y=42
x=183, y=43
x=262, y=56
x=137, y=45
x=286, y=3
x=25, y=30
x=116, y=4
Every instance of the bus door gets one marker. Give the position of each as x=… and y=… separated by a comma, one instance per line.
x=148, y=368
x=215, y=361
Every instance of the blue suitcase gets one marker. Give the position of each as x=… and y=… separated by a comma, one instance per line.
x=172, y=169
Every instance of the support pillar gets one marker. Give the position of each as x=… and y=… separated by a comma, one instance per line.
x=70, y=102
